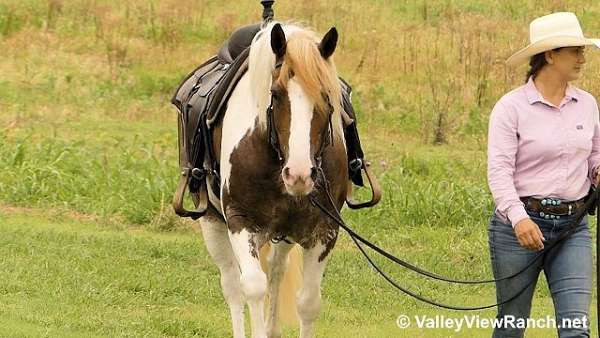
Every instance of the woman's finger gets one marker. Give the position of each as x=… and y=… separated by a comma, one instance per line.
x=522, y=240
x=538, y=242
x=535, y=242
x=540, y=234
x=529, y=241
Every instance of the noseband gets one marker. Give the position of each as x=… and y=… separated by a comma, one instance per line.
x=274, y=136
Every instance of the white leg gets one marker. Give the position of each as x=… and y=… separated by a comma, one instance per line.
x=217, y=241
x=277, y=262
x=309, y=297
x=253, y=279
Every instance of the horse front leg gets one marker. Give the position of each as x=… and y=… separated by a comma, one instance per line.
x=219, y=247
x=309, y=296
x=253, y=279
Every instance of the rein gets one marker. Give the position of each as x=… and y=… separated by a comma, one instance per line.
x=357, y=239
x=336, y=217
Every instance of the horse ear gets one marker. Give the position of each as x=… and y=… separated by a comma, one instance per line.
x=329, y=42
x=278, y=41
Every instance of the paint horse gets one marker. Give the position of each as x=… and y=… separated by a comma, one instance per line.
x=280, y=138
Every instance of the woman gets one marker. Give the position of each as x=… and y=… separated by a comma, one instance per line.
x=543, y=156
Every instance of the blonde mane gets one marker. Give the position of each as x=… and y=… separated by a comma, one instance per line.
x=304, y=62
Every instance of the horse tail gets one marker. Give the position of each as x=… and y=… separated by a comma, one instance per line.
x=291, y=282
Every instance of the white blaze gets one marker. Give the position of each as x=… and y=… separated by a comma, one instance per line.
x=301, y=108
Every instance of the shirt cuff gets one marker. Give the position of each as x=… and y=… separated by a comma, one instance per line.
x=517, y=213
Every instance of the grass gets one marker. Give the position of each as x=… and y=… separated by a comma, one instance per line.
x=88, y=156
x=75, y=276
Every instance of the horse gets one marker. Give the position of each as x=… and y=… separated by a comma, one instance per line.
x=279, y=142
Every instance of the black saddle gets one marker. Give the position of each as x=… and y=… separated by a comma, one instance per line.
x=201, y=99
x=237, y=42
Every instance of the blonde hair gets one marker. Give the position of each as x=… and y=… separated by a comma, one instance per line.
x=304, y=61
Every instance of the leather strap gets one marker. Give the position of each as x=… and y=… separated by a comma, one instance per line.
x=591, y=202
x=375, y=191
x=182, y=186
x=544, y=205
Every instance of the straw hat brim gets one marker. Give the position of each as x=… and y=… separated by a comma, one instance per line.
x=549, y=44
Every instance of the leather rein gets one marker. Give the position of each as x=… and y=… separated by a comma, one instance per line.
x=334, y=215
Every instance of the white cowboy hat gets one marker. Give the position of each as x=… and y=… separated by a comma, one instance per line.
x=551, y=31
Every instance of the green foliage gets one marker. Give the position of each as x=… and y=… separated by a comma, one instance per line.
x=132, y=178
x=86, y=87
x=9, y=22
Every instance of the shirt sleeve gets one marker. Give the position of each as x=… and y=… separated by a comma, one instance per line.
x=594, y=159
x=502, y=150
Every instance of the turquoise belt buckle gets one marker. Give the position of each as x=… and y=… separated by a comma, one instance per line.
x=551, y=201
x=548, y=216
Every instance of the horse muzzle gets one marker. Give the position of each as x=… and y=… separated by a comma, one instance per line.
x=298, y=182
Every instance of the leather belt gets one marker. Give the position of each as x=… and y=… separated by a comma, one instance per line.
x=551, y=208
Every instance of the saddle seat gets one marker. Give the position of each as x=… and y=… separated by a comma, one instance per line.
x=239, y=40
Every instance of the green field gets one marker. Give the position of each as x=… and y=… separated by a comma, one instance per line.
x=88, y=159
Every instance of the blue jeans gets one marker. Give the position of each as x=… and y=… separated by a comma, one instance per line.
x=567, y=266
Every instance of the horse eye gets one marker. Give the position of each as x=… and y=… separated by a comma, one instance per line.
x=276, y=93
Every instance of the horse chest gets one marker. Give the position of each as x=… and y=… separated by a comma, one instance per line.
x=261, y=196
x=256, y=193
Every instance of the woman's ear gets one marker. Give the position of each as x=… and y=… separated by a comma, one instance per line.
x=549, y=57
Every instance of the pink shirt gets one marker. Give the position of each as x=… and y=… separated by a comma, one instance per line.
x=538, y=149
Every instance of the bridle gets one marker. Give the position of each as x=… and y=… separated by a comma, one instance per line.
x=273, y=136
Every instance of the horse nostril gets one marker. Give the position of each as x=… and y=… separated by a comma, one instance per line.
x=286, y=172
x=313, y=173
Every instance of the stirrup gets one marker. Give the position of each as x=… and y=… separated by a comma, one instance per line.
x=375, y=190
x=182, y=186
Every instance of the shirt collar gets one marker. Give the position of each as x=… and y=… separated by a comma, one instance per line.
x=533, y=94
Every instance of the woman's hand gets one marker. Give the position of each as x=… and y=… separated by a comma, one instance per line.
x=529, y=235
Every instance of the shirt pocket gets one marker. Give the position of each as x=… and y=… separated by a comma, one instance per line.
x=582, y=133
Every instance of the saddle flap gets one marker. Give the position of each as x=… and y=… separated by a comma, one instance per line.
x=209, y=81
x=182, y=93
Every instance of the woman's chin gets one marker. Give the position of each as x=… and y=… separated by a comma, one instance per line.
x=576, y=75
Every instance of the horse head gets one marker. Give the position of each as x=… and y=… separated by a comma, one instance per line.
x=305, y=97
